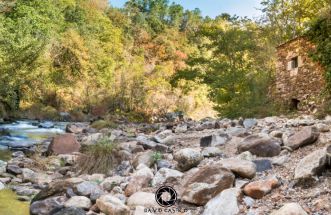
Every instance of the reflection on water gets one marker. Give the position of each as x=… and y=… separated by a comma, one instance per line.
x=9, y=205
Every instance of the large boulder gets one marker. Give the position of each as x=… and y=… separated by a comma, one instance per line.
x=311, y=165
x=188, y=158
x=165, y=175
x=243, y=168
x=225, y=203
x=206, y=183
x=145, y=158
x=140, y=179
x=75, y=128
x=71, y=211
x=111, y=205
x=46, y=206
x=290, y=209
x=260, y=145
x=56, y=188
x=142, y=199
x=86, y=188
x=63, y=144
x=109, y=183
x=305, y=136
x=78, y=202
x=29, y=175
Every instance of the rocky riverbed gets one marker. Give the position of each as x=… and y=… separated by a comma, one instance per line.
x=273, y=165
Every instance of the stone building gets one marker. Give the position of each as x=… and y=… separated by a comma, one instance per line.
x=299, y=80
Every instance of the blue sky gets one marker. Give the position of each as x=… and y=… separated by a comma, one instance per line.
x=213, y=8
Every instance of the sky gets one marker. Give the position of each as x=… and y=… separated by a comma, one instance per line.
x=213, y=8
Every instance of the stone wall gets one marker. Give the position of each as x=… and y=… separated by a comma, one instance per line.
x=300, y=84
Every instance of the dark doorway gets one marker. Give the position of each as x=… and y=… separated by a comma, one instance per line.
x=295, y=104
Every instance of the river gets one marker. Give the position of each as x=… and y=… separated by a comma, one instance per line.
x=20, y=135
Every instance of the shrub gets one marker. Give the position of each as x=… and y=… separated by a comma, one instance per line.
x=157, y=156
x=100, y=124
x=98, y=158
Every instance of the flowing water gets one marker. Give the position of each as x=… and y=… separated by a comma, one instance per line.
x=16, y=136
x=24, y=134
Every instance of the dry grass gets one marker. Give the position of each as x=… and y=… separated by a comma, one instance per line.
x=98, y=158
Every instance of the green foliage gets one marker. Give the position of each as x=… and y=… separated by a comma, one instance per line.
x=283, y=20
x=88, y=58
x=98, y=158
x=156, y=156
x=99, y=124
x=319, y=33
x=232, y=62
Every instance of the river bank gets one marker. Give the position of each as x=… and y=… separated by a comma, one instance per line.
x=217, y=166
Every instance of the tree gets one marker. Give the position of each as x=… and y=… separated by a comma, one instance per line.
x=286, y=19
x=228, y=62
x=319, y=33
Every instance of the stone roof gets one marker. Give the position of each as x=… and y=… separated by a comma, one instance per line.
x=290, y=41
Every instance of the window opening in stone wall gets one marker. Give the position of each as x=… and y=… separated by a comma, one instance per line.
x=295, y=104
x=294, y=63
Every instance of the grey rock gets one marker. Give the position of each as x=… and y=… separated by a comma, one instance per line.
x=14, y=169
x=161, y=148
x=211, y=152
x=262, y=165
x=18, y=154
x=45, y=207
x=248, y=201
x=71, y=211
x=3, y=166
x=290, y=209
x=280, y=161
x=225, y=203
x=249, y=123
x=46, y=125
x=78, y=202
x=142, y=199
x=181, y=128
x=214, y=140
x=25, y=191
x=187, y=158
x=164, y=175
x=2, y=186
x=123, y=169
x=243, y=168
x=111, y=205
x=206, y=183
x=86, y=188
x=321, y=127
x=311, y=165
x=237, y=131
x=261, y=145
x=305, y=136
x=145, y=142
x=163, y=164
x=145, y=158
x=97, y=193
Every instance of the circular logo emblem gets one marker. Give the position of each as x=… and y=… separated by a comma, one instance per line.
x=166, y=196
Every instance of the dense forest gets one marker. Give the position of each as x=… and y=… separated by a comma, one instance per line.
x=148, y=58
